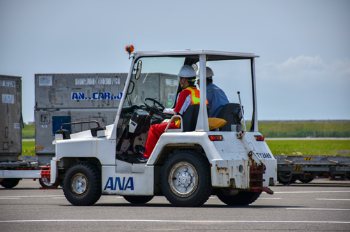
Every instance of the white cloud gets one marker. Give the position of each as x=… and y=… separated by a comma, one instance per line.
x=304, y=88
x=306, y=68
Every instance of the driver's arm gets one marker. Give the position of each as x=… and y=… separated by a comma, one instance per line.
x=183, y=101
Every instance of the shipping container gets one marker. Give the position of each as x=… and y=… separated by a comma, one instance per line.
x=75, y=97
x=10, y=118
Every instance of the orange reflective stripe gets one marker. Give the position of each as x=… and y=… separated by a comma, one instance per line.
x=195, y=96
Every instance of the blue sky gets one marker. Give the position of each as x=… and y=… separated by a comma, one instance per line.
x=304, y=66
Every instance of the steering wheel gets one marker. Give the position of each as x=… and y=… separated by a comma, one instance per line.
x=154, y=109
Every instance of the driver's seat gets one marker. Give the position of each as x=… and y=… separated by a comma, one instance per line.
x=189, y=118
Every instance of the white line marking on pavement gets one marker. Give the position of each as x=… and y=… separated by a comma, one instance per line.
x=181, y=221
x=325, y=199
x=316, y=192
x=35, y=196
x=59, y=198
x=316, y=209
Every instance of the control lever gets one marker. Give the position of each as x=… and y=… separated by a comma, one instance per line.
x=240, y=105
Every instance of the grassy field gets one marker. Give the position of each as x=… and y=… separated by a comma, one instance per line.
x=28, y=132
x=278, y=147
x=300, y=129
x=276, y=129
x=309, y=147
x=28, y=148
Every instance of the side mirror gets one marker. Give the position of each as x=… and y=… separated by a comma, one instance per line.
x=132, y=90
x=139, y=67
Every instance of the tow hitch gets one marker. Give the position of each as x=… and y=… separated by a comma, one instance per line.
x=256, y=178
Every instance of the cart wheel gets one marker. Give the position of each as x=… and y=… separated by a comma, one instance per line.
x=285, y=178
x=138, y=199
x=9, y=182
x=304, y=179
x=242, y=198
x=82, y=184
x=185, y=179
x=44, y=182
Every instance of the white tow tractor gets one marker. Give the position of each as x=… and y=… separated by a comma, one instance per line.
x=187, y=164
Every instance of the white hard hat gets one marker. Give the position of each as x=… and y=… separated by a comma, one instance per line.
x=209, y=73
x=187, y=71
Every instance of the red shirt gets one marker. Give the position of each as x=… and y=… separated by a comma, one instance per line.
x=183, y=101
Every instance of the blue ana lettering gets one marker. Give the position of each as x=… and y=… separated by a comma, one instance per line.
x=96, y=96
x=75, y=96
x=109, y=184
x=78, y=96
x=121, y=185
x=129, y=184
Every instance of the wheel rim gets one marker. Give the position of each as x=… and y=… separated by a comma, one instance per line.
x=285, y=177
x=79, y=184
x=46, y=181
x=183, y=179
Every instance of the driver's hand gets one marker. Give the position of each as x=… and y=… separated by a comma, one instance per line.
x=168, y=111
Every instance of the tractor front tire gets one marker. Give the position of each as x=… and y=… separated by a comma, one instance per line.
x=185, y=179
x=82, y=184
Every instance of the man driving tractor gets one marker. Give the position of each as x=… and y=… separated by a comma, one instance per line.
x=188, y=96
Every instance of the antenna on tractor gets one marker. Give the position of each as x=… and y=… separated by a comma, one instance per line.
x=240, y=105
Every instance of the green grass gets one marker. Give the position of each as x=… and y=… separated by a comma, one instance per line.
x=300, y=129
x=309, y=147
x=275, y=129
x=28, y=148
x=28, y=132
x=278, y=147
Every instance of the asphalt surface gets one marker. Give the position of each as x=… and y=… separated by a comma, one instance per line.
x=321, y=205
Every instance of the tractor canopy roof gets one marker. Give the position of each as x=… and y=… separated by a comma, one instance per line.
x=193, y=54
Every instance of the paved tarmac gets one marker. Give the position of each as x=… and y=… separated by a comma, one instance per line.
x=321, y=205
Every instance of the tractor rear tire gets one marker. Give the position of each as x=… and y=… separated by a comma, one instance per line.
x=185, y=179
x=82, y=184
x=138, y=199
x=242, y=198
x=9, y=182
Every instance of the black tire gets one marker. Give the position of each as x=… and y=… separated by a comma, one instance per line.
x=9, y=182
x=199, y=175
x=242, y=198
x=138, y=199
x=45, y=183
x=304, y=180
x=285, y=178
x=82, y=184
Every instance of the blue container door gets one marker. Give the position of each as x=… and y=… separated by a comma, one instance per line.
x=57, y=121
